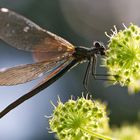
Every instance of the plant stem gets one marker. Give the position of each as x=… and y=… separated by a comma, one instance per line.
x=97, y=135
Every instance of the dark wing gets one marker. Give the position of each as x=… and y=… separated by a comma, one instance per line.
x=24, y=73
x=23, y=34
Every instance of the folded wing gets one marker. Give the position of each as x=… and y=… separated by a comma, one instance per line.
x=23, y=34
x=24, y=73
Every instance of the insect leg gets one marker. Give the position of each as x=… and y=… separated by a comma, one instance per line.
x=87, y=73
x=94, y=66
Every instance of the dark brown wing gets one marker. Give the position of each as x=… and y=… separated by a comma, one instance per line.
x=23, y=34
x=24, y=73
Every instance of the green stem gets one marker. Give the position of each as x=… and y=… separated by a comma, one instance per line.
x=97, y=135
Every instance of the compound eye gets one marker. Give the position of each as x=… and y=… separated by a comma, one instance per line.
x=97, y=44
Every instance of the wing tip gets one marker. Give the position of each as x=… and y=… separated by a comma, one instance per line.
x=4, y=10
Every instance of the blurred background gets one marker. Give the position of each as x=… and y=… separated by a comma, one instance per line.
x=80, y=22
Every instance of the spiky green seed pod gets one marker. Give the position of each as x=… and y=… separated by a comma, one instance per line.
x=123, y=57
x=81, y=119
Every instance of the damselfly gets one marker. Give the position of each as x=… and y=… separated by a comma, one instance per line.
x=48, y=50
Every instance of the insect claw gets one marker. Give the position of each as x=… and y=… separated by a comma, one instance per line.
x=86, y=88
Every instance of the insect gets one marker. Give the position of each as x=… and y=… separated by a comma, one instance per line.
x=48, y=51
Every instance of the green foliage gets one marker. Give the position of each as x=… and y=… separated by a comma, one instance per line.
x=127, y=132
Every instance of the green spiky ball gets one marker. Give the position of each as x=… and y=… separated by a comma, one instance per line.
x=123, y=57
x=76, y=119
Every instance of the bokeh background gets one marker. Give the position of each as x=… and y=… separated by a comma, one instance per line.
x=80, y=22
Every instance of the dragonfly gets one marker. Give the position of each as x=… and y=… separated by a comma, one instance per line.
x=49, y=51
